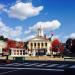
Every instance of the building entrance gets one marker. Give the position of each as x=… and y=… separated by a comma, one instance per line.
x=41, y=52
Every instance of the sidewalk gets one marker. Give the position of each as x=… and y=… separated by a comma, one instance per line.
x=66, y=58
x=44, y=58
x=2, y=57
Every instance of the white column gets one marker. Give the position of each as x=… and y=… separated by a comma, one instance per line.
x=16, y=52
x=22, y=52
x=34, y=52
x=40, y=45
x=33, y=45
x=19, y=52
x=29, y=45
x=37, y=45
x=44, y=44
x=12, y=52
x=48, y=48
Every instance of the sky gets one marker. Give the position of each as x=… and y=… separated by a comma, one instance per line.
x=20, y=19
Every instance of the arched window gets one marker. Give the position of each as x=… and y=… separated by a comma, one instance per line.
x=46, y=44
x=35, y=44
x=38, y=44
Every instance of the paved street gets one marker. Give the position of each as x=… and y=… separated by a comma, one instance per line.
x=34, y=68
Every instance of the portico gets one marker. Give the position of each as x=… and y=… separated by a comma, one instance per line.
x=39, y=43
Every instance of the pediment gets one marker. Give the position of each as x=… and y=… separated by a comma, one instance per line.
x=38, y=39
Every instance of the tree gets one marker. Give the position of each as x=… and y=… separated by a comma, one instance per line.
x=25, y=45
x=69, y=43
x=73, y=46
x=57, y=46
x=1, y=38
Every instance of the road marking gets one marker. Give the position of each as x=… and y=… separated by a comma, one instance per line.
x=40, y=65
x=32, y=69
x=8, y=72
x=73, y=66
x=52, y=65
x=11, y=64
x=62, y=66
x=18, y=65
x=15, y=64
x=31, y=64
x=25, y=63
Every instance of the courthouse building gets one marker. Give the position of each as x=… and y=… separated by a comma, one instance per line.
x=39, y=44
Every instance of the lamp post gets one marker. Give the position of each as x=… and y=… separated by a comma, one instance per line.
x=52, y=34
x=51, y=40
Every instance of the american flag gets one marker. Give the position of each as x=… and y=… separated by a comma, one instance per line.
x=52, y=33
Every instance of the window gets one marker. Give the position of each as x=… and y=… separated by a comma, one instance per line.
x=38, y=44
x=35, y=44
x=14, y=52
x=46, y=44
x=20, y=52
x=42, y=44
x=17, y=52
x=23, y=52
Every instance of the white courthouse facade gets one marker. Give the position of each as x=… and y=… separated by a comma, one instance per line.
x=39, y=43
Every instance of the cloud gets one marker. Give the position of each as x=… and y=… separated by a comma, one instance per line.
x=13, y=33
x=29, y=37
x=26, y=32
x=17, y=1
x=51, y=25
x=2, y=7
x=72, y=35
x=66, y=37
x=9, y=32
x=18, y=39
x=23, y=10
